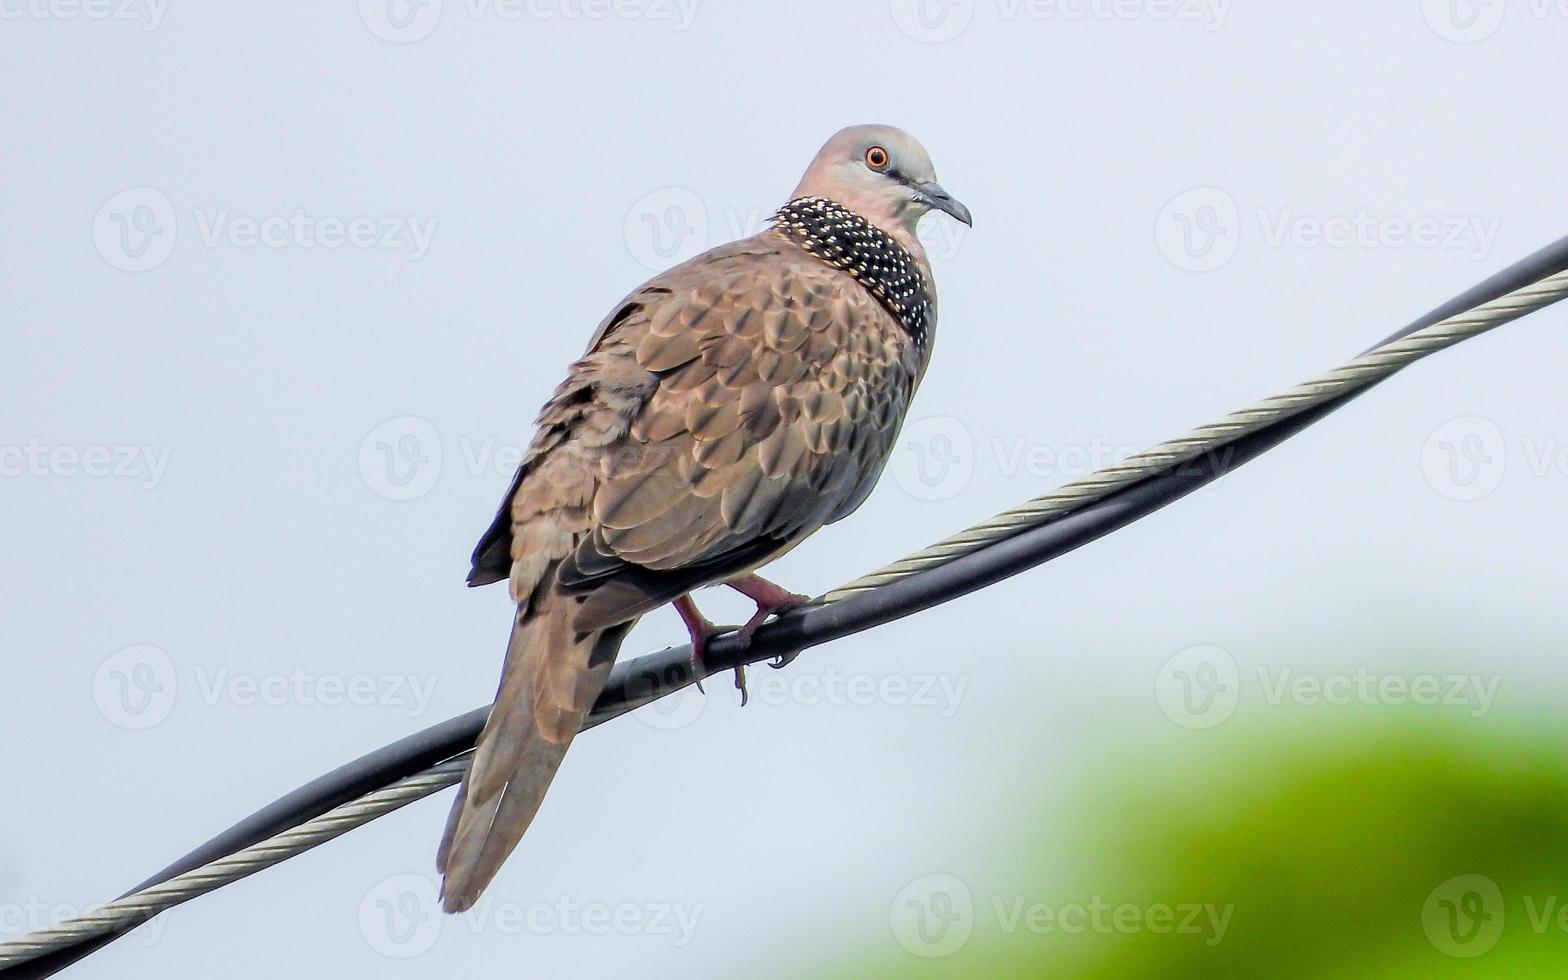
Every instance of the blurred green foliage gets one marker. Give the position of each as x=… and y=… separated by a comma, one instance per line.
x=1408, y=845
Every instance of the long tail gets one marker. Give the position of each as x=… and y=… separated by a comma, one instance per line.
x=552, y=677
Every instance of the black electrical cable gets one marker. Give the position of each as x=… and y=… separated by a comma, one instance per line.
x=648, y=677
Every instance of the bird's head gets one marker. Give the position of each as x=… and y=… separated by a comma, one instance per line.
x=881, y=173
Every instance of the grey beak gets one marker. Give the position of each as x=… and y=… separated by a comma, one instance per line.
x=941, y=200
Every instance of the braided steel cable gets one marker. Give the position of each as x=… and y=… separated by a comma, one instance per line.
x=658, y=672
x=134, y=909
x=1373, y=366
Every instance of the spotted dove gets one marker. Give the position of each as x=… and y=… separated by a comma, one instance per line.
x=724, y=412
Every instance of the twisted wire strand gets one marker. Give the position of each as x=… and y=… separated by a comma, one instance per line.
x=1373, y=366
x=138, y=907
x=1365, y=370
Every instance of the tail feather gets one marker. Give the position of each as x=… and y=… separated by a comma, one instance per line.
x=552, y=677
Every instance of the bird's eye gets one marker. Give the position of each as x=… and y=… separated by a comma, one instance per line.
x=877, y=158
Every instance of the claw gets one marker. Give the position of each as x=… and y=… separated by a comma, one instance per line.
x=771, y=600
x=699, y=654
x=701, y=630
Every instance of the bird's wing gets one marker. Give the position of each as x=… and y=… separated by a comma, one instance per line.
x=732, y=407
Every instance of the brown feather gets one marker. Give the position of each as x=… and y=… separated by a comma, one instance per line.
x=723, y=413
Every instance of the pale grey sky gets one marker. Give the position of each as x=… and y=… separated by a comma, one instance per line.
x=286, y=283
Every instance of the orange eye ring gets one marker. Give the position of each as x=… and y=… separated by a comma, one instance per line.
x=877, y=158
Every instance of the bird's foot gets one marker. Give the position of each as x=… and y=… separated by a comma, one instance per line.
x=701, y=630
x=771, y=599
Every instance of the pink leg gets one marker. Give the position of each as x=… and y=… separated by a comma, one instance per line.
x=698, y=627
x=701, y=630
x=770, y=599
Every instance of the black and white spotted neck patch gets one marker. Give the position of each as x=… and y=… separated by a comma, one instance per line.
x=845, y=240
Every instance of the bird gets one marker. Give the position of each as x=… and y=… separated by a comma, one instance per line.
x=724, y=411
